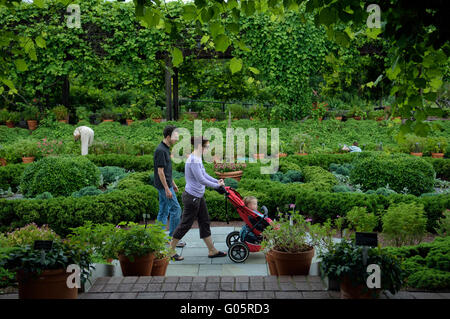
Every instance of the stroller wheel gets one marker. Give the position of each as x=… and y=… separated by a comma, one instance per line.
x=232, y=238
x=238, y=252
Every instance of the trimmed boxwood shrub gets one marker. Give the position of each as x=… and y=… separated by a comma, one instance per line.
x=87, y=191
x=399, y=172
x=60, y=176
x=111, y=173
x=441, y=166
x=129, y=162
x=63, y=213
x=10, y=176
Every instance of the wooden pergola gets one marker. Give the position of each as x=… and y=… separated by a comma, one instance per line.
x=171, y=78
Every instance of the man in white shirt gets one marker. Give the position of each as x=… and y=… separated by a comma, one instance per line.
x=353, y=148
x=87, y=137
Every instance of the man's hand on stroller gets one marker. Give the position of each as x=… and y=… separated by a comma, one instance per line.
x=221, y=182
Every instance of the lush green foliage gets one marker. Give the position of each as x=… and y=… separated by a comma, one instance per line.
x=361, y=221
x=61, y=176
x=112, y=174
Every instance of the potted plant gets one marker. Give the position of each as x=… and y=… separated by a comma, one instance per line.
x=43, y=274
x=357, y=113
x=161, y=261
x=61, y=113
x=209, y=113
x=156, y=114
x=345, y=263
x=3, y=154
x=289, y=244
x=439, y=148
x=131, y=114
x=12, y=118
x=282, y=149
x=319, y=109
x=258, y=112
x=301, y=142
x=31, y=115
x=338, y=115
x=107, y=115
x=229, y=170
x=27, y=149
x=237, y=111
x=82, y=113
x=416, y=149
x=134, y=245
x=4, y=116
x=262, y=146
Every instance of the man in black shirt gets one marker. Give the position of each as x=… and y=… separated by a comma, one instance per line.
x=168, y=202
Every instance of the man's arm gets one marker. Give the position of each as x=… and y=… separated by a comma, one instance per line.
x=162, y=177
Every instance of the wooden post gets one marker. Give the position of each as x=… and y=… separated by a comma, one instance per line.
x=168, y=78
x=176, y=110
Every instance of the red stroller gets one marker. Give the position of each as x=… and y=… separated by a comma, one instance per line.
x=241, y=244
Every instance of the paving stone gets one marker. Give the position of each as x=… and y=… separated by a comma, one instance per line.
x=260, y=295
x=124, y=288
x=102, y=280
x=198, y=286
x=302, y=285
x=227, y=279
x=287, y=286
x=256, y=286
x=227, y=286
x=317, y=286
x=288, y=295
x=177, y=295
x=144, y=280
x=197, y=252
x=244, y=269
x=158, y=279
x=182, y=270
x=153, y=287
x=271, y=286
x=168, y=287
x=129, y=280
x=316, y=279
x=299, y=278
x=172, y=279
x=115, y=280
x=186, y=279
x=94, y=296
x=242, y=279
x=192, y=260
x=444, y=295
x=96, y=288
x=139, y=287
x=241, y=286
x=334, y=294
x=183, y=287
x=210, y=270
x=425, y=295
x=213, y=279
x=123, y=295
x=256, y=279
x=284, y=279
x=110, y=288
x=232, y=295
x=205, y=295
x=270, y=279
x=212, y=286
x=150, y=295
x=316, y=295
x=199, y=279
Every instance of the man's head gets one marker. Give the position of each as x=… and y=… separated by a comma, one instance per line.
x=76, y=134
x=170, y=135
x=355, y=143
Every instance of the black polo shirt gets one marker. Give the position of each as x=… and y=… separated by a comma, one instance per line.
x=161, y=158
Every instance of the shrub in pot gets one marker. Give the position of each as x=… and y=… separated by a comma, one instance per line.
x=31, y=115
x=229, y=170
x=345, y=263
x=61, y=113
x=12, y=118
x=134, y=245
x=44, y=277
x=301, y=143
x=290, y=242
x=107, y=115
x=27, y=149
x=161, y=261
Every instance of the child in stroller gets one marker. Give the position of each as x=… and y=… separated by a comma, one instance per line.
x=252, y=203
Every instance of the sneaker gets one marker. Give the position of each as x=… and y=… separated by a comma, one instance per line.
x=181, y=244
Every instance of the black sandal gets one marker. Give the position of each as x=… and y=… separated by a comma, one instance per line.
x=177, y=257
x=219, y=254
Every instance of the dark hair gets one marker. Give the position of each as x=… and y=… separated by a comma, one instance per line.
x=168, y=130
x=355, y=143
x=195, y=141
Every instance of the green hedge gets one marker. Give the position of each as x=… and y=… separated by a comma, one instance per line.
x=136, y=163
x=399, y=171
x=441, y=166
x=61, y=213
x=10, y=176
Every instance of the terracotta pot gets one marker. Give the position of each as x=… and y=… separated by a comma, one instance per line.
x=160, y=266
x=10, y=124
x=63, y=121
x=349, y=291
x=289, y=264
x=51, y=284
x=301, y=154
x=236, y=175
x=272, y=266
x=194, y=114
x=129, y=121
x=258, y=156
x=437, y=155
x=141, y=266
x=416, y=154
x=157, y=120
x=281, y=155
x=211, y=120
x=3, y=161
x=27, y=160
x=320, y=119
x=358, y=118
x=108, y=120
x=339, y=118
x=32, y=124
x=379, y=119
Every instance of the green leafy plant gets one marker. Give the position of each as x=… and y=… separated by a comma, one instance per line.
x=61, y=112
x=301, y=142
x=107, y=114
x=28, y=234
x=134, y=240
x=87, y=191
x=237, y=111
x=31, y=113
x=132, y=113
x=26, y=148
x=319, y=109
x=82, y=113
x=404, y=223
x=361, y=221
x=443, y=227
x=47, y=148
x=346, y=260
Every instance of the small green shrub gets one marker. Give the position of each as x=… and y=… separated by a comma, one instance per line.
x=385, y=191
x=443, y=227
x=87, y=191
x=404, y=223
x=60, y=176
x=361, y=221
x=112, y=173
x=44, y=195
x=341, y=189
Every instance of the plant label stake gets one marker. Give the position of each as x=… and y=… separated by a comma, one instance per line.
x=366, y=240
x=146, y=218
x=43, y=246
